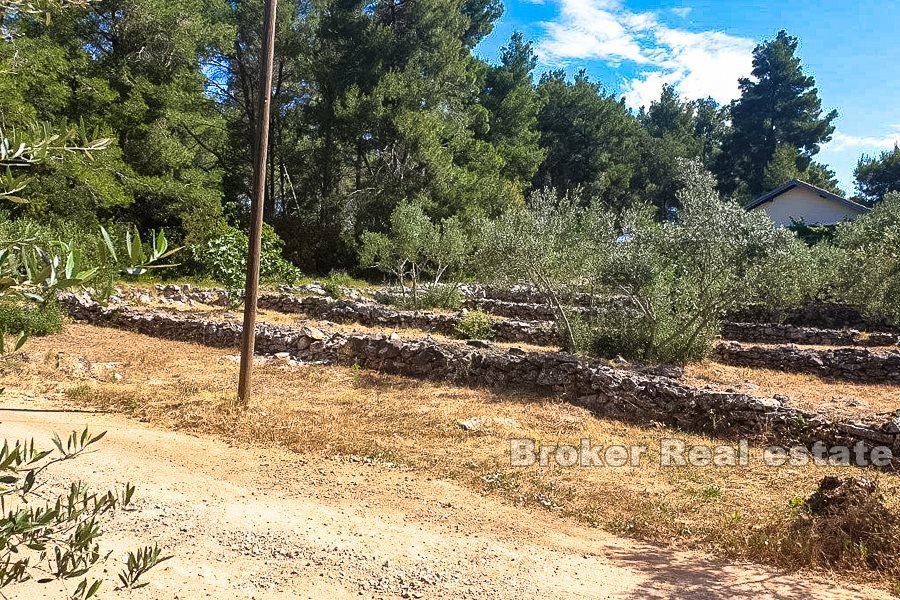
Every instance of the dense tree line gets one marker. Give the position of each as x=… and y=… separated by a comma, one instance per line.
x=375, y=103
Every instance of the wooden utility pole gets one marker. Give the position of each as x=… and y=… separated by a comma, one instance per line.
x=260, y=154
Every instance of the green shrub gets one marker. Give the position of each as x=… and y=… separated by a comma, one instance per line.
x=553, y=243
x=812, y=234
x=680, y=278
x=273, y=266
x=33, y=319
x=448, y=297
x=223, y=258
x=420, y=255
x=616, y=333
x=441, y=296
x=863, y=263
x=335, y=284
x=476, y=325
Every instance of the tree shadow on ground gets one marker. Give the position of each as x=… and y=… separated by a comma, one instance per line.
x=671, y=574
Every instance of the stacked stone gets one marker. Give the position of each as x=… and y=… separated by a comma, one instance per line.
x=520, y=321
x=606, y=391
x=822, y=315
x=541, y=333
x=781, y=333
x=853, y=364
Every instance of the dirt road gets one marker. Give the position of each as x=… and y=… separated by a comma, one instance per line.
x=246, y=523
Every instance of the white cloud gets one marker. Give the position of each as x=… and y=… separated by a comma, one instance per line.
x=593, y=29
x=701, y=64
x=645, y=89
x=842, y=141
x=682, y=12
x=698, y=64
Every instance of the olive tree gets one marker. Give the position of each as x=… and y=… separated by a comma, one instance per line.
x=37, y=144
x=46, y=535
x=863, y=261
x=681, y=278
x=416, y=250
x=53, y=536
x=553, y=243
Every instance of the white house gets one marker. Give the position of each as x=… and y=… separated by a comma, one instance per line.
x=800, y=201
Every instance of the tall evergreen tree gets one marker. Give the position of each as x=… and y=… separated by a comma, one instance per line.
x=423, y=117
x=822, y=176
x=130, y=69
x=167, y=127
x=711, y=128
x=779, y=105
x=593, y=142
x=672, y=116
x=482, y=14
x=374, y=103
x=678, y=130
x=233, y=81
x=782, y=167
x=877, y=176
x=513, y=104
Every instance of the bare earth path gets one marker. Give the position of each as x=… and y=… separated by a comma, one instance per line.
x=247, y=523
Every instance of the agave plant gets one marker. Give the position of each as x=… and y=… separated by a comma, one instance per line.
x=138, y=260
x=30, y=271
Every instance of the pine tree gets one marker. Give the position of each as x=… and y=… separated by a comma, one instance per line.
x=513, y=104
x=779, y=105
x=482, y=14
x=593, y=142
x=878, y=176
x=678, y=130
x=424, y=124
x=132, y=71
x=374, y=103
x=782, y=168
x=821, y=176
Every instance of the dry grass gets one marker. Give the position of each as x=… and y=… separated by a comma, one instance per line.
x=743, y=512
x=835, y=398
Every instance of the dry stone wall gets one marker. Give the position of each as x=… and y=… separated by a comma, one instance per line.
x=527, y=311
x=530, y=323
x=542, y=333
x=780, y=333
x=854, y=364
x=526, y=294
x=605, y=391
x=814, y=320
x=821, y=315
x=517, y=294
x=512, y=310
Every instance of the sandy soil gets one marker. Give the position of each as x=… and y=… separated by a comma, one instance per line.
x=250, y=523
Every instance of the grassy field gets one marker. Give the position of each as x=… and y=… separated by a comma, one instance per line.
x=834, y=398
x=742, y=513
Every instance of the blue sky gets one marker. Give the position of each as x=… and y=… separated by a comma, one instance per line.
x=703, y=46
